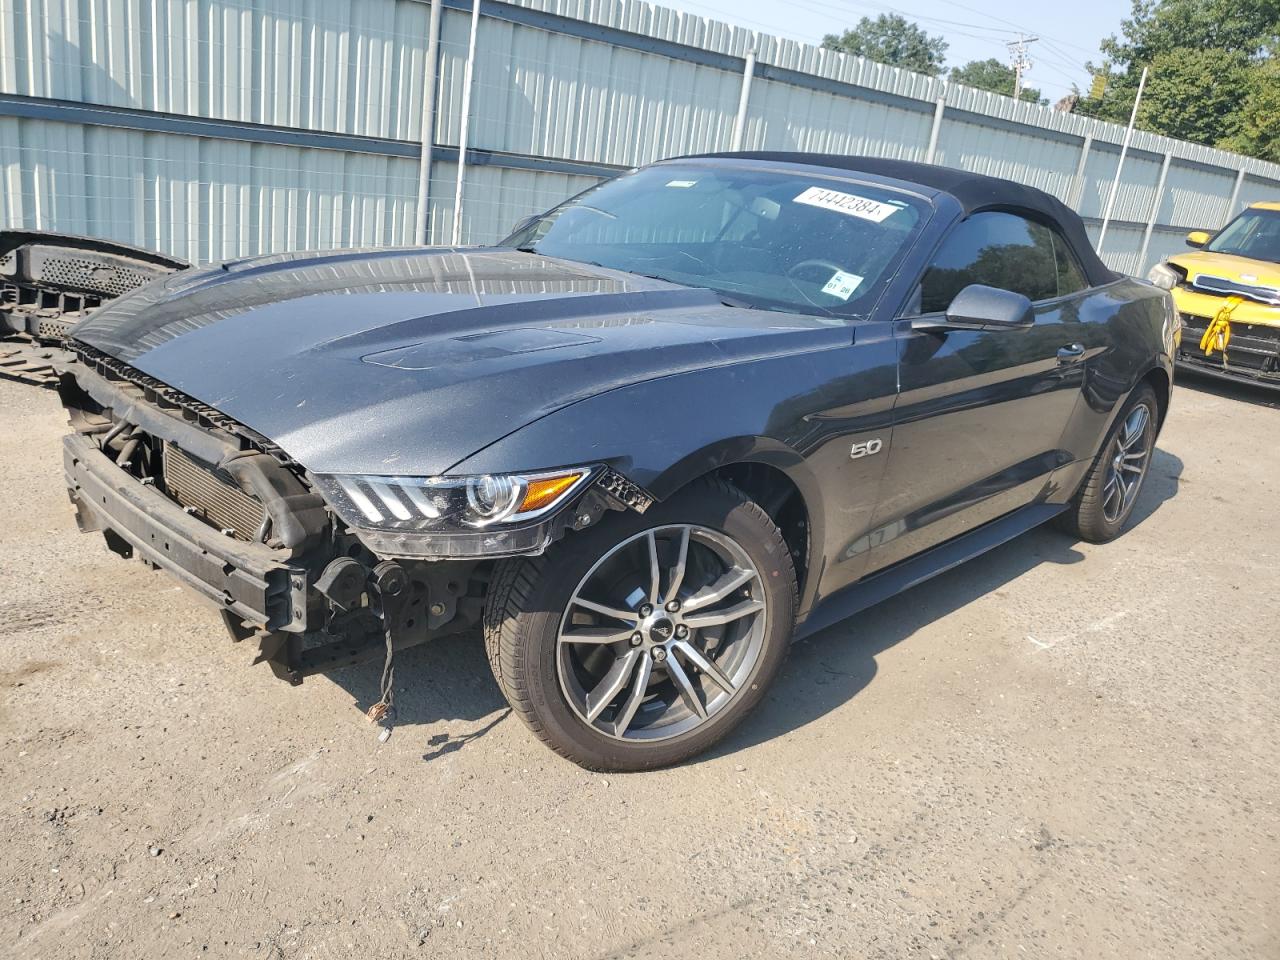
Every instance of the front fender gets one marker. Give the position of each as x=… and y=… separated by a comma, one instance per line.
x=664, y=433
x=653, y=434
x=795, y=413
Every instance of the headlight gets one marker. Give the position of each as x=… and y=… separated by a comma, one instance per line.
x=1162, y=275
x=486, y=515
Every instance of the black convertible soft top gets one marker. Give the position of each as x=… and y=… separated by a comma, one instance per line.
x=973, y=191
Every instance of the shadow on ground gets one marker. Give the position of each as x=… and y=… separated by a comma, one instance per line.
x=449, y=679
x=833, y=666
x=446, y=680
x=1231, y=389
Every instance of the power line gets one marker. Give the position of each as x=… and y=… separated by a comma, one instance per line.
x=915, y=16
x=983, y=13
x=1071, y=70
x=817, y=6
x=1056, y=66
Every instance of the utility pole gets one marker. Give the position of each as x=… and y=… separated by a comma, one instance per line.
x=1021, y=62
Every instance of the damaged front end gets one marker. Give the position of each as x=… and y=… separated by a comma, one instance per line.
x=51, y=281
x=321, y=571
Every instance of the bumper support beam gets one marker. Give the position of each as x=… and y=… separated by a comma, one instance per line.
x=247, y=580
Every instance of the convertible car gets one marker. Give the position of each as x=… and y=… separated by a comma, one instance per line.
x=699, y=410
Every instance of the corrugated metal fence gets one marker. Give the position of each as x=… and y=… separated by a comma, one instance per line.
x=214, y=129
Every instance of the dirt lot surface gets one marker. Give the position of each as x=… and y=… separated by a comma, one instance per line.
x=1058, y=750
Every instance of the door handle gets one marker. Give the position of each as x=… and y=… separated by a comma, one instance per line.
x=1071, y=353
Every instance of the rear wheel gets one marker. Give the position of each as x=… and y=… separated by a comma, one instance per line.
x=1107, y=496
x=644, y=641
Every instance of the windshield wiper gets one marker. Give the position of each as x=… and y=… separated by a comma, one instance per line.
x=725, y=299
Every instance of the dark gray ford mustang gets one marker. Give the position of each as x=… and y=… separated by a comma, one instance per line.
x=700, y=409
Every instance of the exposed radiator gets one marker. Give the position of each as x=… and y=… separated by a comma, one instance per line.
x=212, y=496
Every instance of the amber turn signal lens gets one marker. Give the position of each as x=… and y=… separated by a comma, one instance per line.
x=547, y=490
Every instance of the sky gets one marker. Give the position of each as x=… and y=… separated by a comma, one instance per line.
x=1069, y=30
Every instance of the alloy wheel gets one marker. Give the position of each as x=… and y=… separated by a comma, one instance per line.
x=1130, y=455
x=662, y=633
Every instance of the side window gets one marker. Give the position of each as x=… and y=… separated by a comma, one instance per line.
x=996, y=249
x=1070, y=278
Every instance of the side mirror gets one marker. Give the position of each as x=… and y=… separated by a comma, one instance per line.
x=979, y=307
x=1198, y=238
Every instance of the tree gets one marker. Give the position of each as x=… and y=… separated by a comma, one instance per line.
x=994, y=76
x=1258, y=134
x=894, y=40
x=1195, y=94
x=1161, y=26
x=1208, y=59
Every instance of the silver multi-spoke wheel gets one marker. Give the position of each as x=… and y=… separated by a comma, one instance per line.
x=1128, y=464
x=1107, y=493
x=662, y=633
x=642, y=640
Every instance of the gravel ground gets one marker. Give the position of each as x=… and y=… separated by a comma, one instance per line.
x=1058, y=750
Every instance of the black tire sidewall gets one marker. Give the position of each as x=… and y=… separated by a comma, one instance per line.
x=1091, y=521
x=716, y=506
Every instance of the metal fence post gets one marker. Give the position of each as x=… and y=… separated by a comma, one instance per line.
x=1235, y=194
x=1076, y=197
x=428, y=135
x=1124, y=151
x=1155, y=211
x=939, y=108
x=464, y=133
x=744, y=97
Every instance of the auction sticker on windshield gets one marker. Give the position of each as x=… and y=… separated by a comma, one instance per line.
x=847, y=203
x=842, y=284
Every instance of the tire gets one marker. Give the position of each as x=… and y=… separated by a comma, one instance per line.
x=548, y=682
x=1093, y=515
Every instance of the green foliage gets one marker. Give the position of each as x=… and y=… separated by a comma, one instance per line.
x=892, y=39
x=994, y=76
x=1258, y=133
x=1164, y=26
x=1195, y=94
x=1212, y=73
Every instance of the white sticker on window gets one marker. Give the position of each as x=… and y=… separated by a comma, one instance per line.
x=681, y=183
x=842, y=284
x=847, y=203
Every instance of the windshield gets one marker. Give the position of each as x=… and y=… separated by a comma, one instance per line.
x=1254, y=234
x=764, y=238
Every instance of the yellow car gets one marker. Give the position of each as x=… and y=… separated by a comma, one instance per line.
x=1228, y=295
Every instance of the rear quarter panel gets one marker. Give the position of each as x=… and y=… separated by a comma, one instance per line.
x=1127, y=328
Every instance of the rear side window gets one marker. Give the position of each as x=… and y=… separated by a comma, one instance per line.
x=999, y=250
x=1070, y=276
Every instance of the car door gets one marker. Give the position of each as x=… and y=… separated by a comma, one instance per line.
x=980, y=414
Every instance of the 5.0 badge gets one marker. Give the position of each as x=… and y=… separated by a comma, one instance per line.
x=866, y=449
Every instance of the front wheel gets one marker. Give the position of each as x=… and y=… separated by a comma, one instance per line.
x=645, y=640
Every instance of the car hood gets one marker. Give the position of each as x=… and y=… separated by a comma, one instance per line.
x=1260, y=273
x=408, y=361
x=1234, y=270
